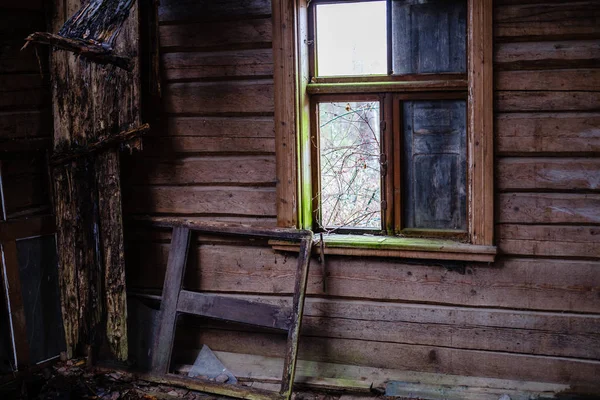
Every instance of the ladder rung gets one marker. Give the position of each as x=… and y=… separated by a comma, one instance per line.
x=232, y=309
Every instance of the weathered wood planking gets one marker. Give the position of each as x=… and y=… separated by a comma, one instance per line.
x=548, y=21
x=22, y=91
x=13, y=60
x=553, y=334
x=20, y=124
x=547, y=133
x=549, y=240
x=537, y=284
x=547, y=55
x=244, y=170
x=206, y=10
x=548, y=173
x=208, y=145
x=236, y=97
x=519, y=101
x=219, y=127
x=224, y=64
x=556, y=79
x=548, y=208
x=229, y=35
x=405, y=356
x=254, y=201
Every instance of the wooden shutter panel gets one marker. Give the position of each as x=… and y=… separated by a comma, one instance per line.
x=434, y=164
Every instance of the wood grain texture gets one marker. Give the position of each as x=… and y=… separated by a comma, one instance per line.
x=258, y=170
x=547, y=21
x=254, y=96
x=409, y=357
x=20, y=124
x=520, y=101
x=547, y=133
x=524, y=332
x=22, y=91
x=556, y=79
x=559, y=174
x=223, y=64
x=185, y=10
x=548, y=208
x=547, y=55
x=549, y=240
x=217, y=35
x=163, y=344
x=480, y=143
x=287, y=118
x=208, y=145
x=221, y=127
x=202, y=200
x=535, y=284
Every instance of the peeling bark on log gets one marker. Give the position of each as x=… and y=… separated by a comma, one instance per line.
x=91, y=102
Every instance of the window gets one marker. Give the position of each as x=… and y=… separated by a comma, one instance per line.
x=393, y=114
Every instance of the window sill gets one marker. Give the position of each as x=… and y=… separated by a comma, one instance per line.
x=399, y=247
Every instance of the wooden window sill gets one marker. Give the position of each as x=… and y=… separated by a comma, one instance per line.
x=399, y=247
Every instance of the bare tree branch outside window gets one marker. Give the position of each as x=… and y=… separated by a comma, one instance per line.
x=350, y=150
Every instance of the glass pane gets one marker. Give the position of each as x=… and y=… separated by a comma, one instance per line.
x=429, y=36
x=435, y=164
x=351, y=38
x=350, y=155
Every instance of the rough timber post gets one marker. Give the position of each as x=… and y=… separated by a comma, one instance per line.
x=89, y=101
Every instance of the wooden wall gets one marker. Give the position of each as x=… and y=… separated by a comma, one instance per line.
x=25, y=115
x=533, y=315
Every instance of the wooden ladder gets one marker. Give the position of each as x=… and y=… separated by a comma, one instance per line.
x=176, y=300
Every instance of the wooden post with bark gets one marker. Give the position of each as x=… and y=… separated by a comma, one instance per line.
x=91, y=102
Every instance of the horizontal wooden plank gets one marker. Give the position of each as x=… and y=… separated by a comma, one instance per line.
x=36, y=5
x=225, y=64
x=565, y=335
x=517, y=101
x=332, y=376
x=19, y=21
x=548, y=240
x=24, y=193
x=546, y=55
x=556, y=79
x=410, y=357
x=547, y=133
x=548, y=173
x=22, y=90
x=234, y=309
x=185, y=10
x=221, y=35
x=203, y=170
x=548, y=21
x=21, y=124
x=202, y=200
x=208, y=145
x=220, y=97
x=548, y=208
x=14, y=60
x=221, y=127
x=536, y=284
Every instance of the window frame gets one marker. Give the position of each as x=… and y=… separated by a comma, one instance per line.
x=293, y=88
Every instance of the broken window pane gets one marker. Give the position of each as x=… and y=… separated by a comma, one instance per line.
x=429, y=36
x=352, y=38
x=350, y=154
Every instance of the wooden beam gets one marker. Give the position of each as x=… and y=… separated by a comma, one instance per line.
x=163, y=345
x=99, y=145
x=480, y=123
x=89, y=50
x=231, y=309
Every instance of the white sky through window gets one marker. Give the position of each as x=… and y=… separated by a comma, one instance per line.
x=351, y=38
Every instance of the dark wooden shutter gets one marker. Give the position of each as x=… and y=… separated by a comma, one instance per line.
x=429, y=36
x=434, y=164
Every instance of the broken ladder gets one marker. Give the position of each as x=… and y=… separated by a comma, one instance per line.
x=176, y=300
